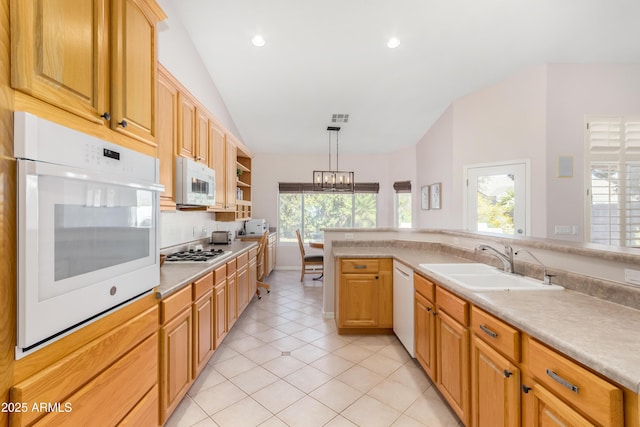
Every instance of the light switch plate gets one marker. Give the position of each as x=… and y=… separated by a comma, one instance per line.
x=632, y=276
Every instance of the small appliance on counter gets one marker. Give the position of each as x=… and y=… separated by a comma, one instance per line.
x=255, y=227
x=220, y=238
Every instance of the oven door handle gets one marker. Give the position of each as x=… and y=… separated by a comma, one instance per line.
x=49, y=169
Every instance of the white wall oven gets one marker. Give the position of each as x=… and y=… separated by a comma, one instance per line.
x=87, y=229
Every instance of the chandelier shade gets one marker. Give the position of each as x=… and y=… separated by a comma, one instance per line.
x=333, y=180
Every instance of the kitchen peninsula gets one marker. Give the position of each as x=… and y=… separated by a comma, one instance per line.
x=555, y=327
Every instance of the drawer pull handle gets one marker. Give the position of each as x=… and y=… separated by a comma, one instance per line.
x=507, y=374
x=562, y=381
x=526, y=389
x=359, y=266
x=488, y=331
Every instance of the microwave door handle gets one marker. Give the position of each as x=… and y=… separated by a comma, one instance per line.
x=41, y=168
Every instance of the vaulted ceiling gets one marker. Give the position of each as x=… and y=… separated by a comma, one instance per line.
x=324, y=57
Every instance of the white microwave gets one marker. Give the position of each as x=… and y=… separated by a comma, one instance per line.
x=195, y=183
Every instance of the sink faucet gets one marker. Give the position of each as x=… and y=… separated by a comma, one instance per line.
x=546, y=277
x=506, y=257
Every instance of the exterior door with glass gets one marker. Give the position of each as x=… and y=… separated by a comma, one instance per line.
x=496, y=198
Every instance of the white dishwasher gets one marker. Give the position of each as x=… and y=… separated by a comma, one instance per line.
x=403, y=322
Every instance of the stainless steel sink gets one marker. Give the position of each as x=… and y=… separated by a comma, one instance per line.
x=481, y=277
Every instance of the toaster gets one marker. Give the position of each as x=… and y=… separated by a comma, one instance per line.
x=220, y=238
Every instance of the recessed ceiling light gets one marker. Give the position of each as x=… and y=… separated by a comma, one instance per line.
x=393, y=43
x=258, y=40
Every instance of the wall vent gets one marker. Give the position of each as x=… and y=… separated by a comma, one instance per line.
x=339, y=118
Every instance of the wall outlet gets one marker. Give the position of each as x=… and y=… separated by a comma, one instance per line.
x=632, y=276
x=348, y=236
x=204, y=231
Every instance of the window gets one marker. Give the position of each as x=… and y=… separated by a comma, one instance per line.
x=403, y=204
x=300, y=208
x=613, y=181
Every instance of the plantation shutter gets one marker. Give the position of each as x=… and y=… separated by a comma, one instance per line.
x=613, y=145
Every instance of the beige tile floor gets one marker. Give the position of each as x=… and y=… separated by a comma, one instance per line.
x=282, y=364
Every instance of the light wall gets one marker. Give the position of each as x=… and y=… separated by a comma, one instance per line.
x=178, y=54
x=536, y=114
x=573, y=92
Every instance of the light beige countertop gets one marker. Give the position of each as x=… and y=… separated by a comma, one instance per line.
x=599, y=334
x=175, y=276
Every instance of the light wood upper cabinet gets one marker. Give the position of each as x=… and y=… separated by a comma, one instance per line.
x=186, y=126
x=231, y=156
x=202, y=137
x=217, y=162
x=60, y=54
x=167, y=135
x=97, y=63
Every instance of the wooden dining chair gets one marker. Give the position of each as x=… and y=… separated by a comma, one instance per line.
x=260, y=265
x=310, y=263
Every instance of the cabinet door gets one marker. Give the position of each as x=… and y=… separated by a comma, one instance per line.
x=385, y=297
x=253, y=276
x=549, y=411
x=495, y=388
x=271, y=255
x=167, y=135
x=453, y=364
x=232, y=300
x=425, y=335
x=230, y=175
x=202, y=137
x=175, y=378
x=359, y=300
x=243, y=287
x=217, y=162
x=203, y=339
x=134, y=68
x=186, y=127
x=60, y=54
x=220, y=312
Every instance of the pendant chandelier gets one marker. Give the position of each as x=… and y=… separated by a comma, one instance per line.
x=333, y=180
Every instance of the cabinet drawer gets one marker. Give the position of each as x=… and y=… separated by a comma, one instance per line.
x=202, y=286
x=360, y=265
x=242, y=260
x=174, y=304
x=220, y=275
x=593, y=396
x=455, y=307
x=496, y=333
x=231, y=267
x=424, y=287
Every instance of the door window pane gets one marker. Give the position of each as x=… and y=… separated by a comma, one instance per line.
x=495, y=203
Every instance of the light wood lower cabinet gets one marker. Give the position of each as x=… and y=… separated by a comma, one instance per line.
x=495, y=387
x=220, y=302
x=365, y=295
x=105, y=373
x=232, y=294
x=242, y=279
x=203, y=339
x=253, y=272
x=493, y=375
x=176, y=350
x=425, y=334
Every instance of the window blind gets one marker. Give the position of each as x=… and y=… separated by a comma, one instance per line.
x=402, y=186
x=307, y=187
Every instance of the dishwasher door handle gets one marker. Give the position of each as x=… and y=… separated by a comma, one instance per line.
x=405, y=274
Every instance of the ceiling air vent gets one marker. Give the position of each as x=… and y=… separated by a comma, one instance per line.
x=339, y=118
